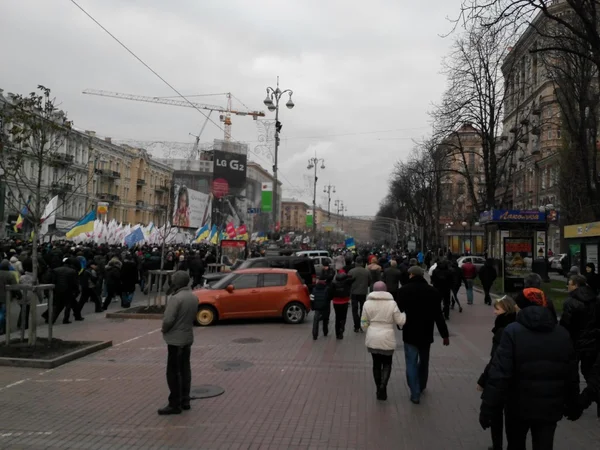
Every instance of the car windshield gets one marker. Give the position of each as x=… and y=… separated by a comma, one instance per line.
x=223, y=282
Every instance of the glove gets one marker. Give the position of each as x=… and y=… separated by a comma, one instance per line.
x=484, y=421
x=446, y=341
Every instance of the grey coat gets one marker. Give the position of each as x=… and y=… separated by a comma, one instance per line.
x=361, y=280
x=178, y=320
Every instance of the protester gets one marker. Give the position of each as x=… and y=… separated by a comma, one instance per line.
x=26, y=279
x=441, y=279
x=340, y=294
x=391, y=276
x=505, y=310
x=379, y=317
x=321, y=305
x=178, y=333
x=421, y=303
x=6, y=279
x=196, y=268
x=375, y=270
x=113, y=281
x=66, y=290
x=361, y=279
x=534, y=376
x=89, y=281
x=129, y=280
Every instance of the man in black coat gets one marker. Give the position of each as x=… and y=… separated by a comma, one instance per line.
x=321, y=304
x=534, y=376
x=487, y=274
x=66, y=290
x=196, y=270
x=441, y=278
x=421, y=303
x=391, y=277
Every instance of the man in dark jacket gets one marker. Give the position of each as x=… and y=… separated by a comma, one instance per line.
x=178, y=333
x=534, y=376
x=340, y=295
x=321, y=304
x=129, y=279
x=593, y=279
x=421, y=303
x=441, y=279
x=66, y=290
x=361, y=280
x=391, y=277
x=487, y=275
x=196, y=270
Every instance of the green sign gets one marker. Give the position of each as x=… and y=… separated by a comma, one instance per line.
x=309, y=218
x=266, y=204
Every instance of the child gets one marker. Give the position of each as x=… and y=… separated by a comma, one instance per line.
x=505, y=311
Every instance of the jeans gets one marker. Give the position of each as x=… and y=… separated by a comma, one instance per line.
x=358, y=301
x=417, y=368
x=341, y=312
x=324, y=317
x=542, y=433
x=469, y=285
x=179, y=375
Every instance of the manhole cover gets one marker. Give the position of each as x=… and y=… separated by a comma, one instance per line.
x=205, y=391
x=233, y=365
x=247, y=340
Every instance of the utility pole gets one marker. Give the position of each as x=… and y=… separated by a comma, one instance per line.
x=328, y=190
x=313, y=163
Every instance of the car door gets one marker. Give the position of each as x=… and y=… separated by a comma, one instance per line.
x=274, y=294
x=245, y=299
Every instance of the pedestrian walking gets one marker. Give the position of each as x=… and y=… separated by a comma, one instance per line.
x=6, y=279
x=380, y=316
x=129, y=280
x=469, y=273
x=391, y=277
x=178, y=333
x=593, y=279
x=361, y=280
x=487, y=275
x=66, y=290
x=321, y=305
x=534, y=376
x=421, y=303
x=457, y=281
x=196, y=267
x=340, y=287
x=532, y=295
x=505, y=310
x=113, y=281
x=375, y=270
x=441, y=279
x=89, y=282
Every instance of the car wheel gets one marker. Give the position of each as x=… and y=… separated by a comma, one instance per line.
x=294, y=313
x=206, y=316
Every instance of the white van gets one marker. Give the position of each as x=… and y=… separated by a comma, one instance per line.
x=313, y=253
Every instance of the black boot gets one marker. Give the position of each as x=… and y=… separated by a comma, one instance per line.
x=168, y=410
x=386, y=372
x=377, y=378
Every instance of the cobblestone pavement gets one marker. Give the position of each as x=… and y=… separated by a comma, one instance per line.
x=295, y=393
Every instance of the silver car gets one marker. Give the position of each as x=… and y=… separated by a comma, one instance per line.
x=478, y=261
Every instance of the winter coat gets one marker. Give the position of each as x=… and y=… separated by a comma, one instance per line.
x=501, y=322
x=534, y=297
x=375, y=271
x=89, y=279
x=457, y=277
x=18, y=266
x=180, y=313
x=422, y=305
x=534, y=371
x=6, y=279
x=391, y=277
x=113, y=276
x=196, y=267
x=340, y=288
x=380, y=315
x=469, y=271
x=579, y=311
x=441, y=278
x=321, y=296
x=129, y=276
x=487, y=274
x=593, y=279
x=361, y=279
x=66, y=282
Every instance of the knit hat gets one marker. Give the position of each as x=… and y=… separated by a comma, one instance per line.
x=416, y=271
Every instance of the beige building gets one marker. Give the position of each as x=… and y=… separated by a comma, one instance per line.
x=135, y=186
x=293, y=215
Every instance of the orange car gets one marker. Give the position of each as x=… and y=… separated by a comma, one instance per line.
x=253, y=293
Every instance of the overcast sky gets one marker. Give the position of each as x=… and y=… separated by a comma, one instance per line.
x=364, y=75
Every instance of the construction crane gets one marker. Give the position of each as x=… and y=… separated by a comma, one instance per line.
x=225, y=117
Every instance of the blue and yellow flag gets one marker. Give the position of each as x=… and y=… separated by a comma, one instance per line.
x=85, y=225
x=214, y=235
x=202, y=234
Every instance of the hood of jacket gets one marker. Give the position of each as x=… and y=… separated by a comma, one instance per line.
x=503, y=320
x=5, y=265
x=537, y=318
x=114, y=262
x=180, y=280
x=374, y=266
x=584, y=294
x=380, y=295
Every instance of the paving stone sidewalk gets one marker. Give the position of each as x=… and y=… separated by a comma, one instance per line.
x=293, y=393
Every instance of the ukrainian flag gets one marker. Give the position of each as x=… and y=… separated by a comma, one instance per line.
x=202, y=234
x=85, y=225
x=214, y=235
x=21, y=217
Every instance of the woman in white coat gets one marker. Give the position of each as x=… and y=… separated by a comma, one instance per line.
x=380, y=316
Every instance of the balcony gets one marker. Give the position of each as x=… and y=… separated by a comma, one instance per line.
x=141, y=182
x=61, y=159
x=108, y=197
x=108, y=173
x=161, y=188
x=160, y=208
x=57, y=188
x=140, y=204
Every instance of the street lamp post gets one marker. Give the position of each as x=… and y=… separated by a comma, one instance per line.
x=546, y=209
x=272, y=103
x=474, y=247
x=328, y=190
x=464, y=225
x=313, y=163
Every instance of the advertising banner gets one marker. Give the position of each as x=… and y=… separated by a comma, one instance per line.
x=517, y=262
x=267, y=197
x=230, y=230
x=231, y=251
x=102, y=208
x=309, y=218
x=540, y=244
x=230, y=167
x=192, y=208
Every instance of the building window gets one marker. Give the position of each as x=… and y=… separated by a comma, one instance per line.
x=550, y=134
x=544, y=175
x=558, y=133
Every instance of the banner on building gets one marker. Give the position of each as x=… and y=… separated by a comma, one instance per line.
x=230, y=167
x=517, y=262
x=267, y=197
x=309, y=218
x=192, y=209
x=102, y=208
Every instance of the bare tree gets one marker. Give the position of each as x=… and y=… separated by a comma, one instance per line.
x=33, y=141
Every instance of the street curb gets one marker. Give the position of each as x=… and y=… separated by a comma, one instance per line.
x=52, y=363
x=128, y=315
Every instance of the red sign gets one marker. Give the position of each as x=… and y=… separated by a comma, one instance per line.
x=287, y=239
x=242, y=230
x=230, y=230
x=233, y=244
x=517, y=247
x=220, y=187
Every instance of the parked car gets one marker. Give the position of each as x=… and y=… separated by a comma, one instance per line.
x=312, y=253
x=556, y=263
x=304, y=266
x=318, y=261
x=254, y=293
x=478, y=261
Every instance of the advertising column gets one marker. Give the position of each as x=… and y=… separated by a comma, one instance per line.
x=517, y=262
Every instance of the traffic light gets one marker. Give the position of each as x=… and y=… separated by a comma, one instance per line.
x=278, y=126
